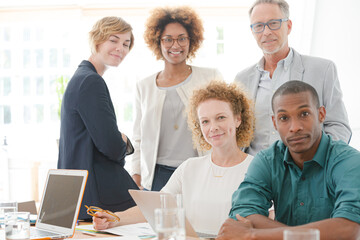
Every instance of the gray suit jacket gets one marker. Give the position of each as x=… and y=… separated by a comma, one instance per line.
x=322, y=75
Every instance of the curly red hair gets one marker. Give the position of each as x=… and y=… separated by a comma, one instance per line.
x=240, y=105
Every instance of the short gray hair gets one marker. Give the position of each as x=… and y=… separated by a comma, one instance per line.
x=283, y=5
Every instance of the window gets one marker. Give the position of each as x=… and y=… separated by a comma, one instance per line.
x=39, y=53
x=26, y=34
x=5, y=114
x=6, y=34
x=39, y=86
x=26, y=86
x=220, y=41
x=39, y=113
x=66, y=58
x=5, y=58
x=26, y=58
x=6, y=86
x=53, y=57
x=128, y=112
x=27, y=114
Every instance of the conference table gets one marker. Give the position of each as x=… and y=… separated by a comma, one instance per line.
x=83, y=235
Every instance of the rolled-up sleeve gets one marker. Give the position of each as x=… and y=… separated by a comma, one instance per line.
x=345, y=177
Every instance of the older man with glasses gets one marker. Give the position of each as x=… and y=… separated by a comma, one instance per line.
x=270, y=26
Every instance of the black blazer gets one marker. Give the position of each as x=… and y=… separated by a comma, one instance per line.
x=90, y=139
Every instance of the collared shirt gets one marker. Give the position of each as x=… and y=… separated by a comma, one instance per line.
x=265, y=133
x=327, y=187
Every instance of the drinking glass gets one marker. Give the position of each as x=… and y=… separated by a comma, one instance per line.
x=17, y=225
x=302, y=234
x=170, y=223
x=5, y=207
x=167, y=201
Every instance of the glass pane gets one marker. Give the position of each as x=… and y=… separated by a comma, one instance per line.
x=128, y=112
x=7, y=59
x=26, y=58
x=7, y=34
x=54, y=112
x=7, y=114
x=7, y=86
x=39, y=109
x=66, y=58
x=39, y=53
x=26, y=86
x=220, y=33
x=53, y=57
x=39, y=34
x=26, y=34
x=39, y=86
x=220, y=48
x=27, y=114
x=52, y=85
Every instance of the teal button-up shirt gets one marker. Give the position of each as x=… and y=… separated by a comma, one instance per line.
x=327, y=187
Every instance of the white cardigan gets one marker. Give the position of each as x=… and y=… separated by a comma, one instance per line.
x=149, y=103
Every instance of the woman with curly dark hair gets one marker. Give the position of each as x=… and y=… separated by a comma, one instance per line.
x=222, y=119
x=162, y=140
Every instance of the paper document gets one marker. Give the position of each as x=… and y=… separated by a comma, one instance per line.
x=111, y=238
x=137, y=229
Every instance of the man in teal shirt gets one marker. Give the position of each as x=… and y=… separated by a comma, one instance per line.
x=312, y=180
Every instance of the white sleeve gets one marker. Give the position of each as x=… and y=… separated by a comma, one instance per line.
x=135, y=161
x=174, y=185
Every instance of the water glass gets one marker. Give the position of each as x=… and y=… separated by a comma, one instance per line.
x=170, y=223
x=302, y=234
x=168, y=201
x=5, y=207
x=17, y=225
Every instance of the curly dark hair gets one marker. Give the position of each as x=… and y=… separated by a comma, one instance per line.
x=162, y=16
x=239, y=102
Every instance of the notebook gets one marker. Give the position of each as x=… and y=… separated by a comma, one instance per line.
x=148, y=201
x=60, y=204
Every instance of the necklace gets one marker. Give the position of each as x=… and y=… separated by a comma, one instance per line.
x=215, y=174
x=176, y=105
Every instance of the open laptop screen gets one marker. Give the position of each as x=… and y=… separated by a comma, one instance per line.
x=60, y=200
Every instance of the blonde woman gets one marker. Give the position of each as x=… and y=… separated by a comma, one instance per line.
x=89, y=135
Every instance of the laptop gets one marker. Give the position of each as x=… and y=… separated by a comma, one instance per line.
x=60, y=204
x=148, y=201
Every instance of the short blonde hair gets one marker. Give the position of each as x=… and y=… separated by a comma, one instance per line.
x=240, y=105
x=162, y=16
x=105, y=27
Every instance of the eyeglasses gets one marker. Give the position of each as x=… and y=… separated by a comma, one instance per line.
x=92, y=210
x=168, y=42
x=274, y=24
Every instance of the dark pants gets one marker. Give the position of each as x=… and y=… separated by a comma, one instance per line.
x=161, y=176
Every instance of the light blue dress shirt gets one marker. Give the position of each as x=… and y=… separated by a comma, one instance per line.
x=327, y=187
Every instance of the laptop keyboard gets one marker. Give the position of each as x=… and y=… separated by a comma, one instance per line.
x=38, y=233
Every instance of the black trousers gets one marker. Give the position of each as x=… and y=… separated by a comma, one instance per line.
x=161, y=176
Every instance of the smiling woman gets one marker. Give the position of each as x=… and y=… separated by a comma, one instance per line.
x=162, y=139
x=89, y=135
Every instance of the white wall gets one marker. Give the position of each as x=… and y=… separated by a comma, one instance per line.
x=336, y=36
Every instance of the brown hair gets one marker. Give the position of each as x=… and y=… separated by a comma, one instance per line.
x=162, y=16
x=106, y=27
x=240, y=105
